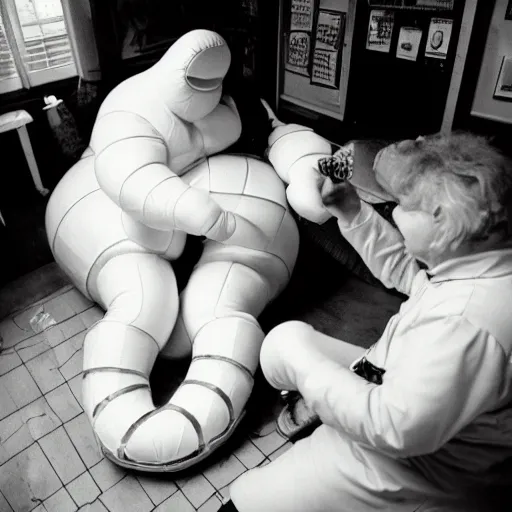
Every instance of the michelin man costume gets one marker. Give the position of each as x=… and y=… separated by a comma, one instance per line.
x=123, y=212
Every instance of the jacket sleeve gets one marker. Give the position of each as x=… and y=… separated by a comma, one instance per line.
x=381, y=247
x=131, y=167
x=446, y=377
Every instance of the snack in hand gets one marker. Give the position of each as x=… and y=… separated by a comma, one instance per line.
x=340, y=166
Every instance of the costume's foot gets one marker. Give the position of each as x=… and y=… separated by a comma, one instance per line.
x=272, y=115
x=296, y=420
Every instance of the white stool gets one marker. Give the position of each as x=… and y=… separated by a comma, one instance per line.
x=17, y=120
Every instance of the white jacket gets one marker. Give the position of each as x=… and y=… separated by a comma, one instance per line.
x=443, y=408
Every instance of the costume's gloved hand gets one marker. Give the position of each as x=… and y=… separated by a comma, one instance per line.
x=197, y=213
x=339, y=196
x=294, y=151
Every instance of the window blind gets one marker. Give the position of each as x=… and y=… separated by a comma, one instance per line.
x=34, y=43
x=9, y=78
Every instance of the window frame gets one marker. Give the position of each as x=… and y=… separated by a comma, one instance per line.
x=27, y=79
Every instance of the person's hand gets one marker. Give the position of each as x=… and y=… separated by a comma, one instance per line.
x=341, y=200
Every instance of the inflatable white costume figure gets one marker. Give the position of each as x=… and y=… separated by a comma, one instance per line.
x=122, y=213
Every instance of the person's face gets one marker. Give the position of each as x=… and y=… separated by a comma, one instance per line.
x=416, y=226
x=418, y=229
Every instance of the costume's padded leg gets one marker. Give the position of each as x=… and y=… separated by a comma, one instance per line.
x=219, y=309
x=140, y=295
x=179, y=345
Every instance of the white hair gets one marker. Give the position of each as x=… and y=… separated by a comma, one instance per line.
x=463, y=181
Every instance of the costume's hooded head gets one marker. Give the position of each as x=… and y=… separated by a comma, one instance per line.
x=189, y=76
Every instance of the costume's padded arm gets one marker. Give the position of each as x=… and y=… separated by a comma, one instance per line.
x=294, y=151
x=131, y=167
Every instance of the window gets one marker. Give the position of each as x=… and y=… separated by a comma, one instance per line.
x=34, y=44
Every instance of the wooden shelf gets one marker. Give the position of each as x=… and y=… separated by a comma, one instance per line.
x=447, y=5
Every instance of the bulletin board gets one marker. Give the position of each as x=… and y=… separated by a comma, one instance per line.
x=493, y=96
x=314, y=54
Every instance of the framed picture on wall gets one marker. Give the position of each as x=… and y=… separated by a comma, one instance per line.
x=330, y=32
x=503, y=90
x=298, y=49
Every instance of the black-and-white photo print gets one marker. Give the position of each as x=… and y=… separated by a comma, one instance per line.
x=256, y=256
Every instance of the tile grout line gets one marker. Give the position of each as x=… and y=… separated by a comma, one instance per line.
x=63, y=424
x=53, y=325
x=65, y=289
x=5, y=498
x=246, y=468
x=53, y=295
x=30, y=403
x=94, y=480
x=23, y=363
x=180, y=488
x=79, y=456
x=14, y=315
x=103, y=492
x=56, y=474
x=257, y=448
x=186, y=497
x=58, y=490
x=50, y=347
x=144, y=490
x=67, y=360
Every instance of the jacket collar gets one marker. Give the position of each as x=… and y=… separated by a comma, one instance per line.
x=490, y=264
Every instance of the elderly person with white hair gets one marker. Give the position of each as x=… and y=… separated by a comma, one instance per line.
x=423, y=419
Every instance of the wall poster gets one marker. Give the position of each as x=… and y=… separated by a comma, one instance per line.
x=440, y=4
x=298, y=44
x=380, y=31
x=298, y=52
x=503, y=89
x=409, y=41
x=439, y=35
x=302, y=12
x=328, y=47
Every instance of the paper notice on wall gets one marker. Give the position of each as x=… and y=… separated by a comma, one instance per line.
x=380, y=31
x=440, y=4
x=302, y=15
x=329, y=29
x=439, y=35
x=298, y=51
x=503, y=88
x=327, y=48
x=409, y=41
x=325, y=68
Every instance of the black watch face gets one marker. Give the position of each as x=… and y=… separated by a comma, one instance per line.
x=368, y=371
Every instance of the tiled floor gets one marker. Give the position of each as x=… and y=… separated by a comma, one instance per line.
x=49, y=461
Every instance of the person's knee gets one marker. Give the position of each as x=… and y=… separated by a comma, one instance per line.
x=281, y=341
